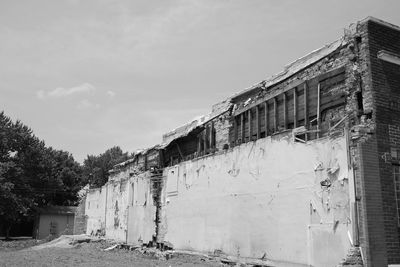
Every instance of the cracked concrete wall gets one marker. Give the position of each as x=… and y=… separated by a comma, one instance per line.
x=263, y=198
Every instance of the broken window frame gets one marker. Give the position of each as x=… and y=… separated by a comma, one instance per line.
x=280, y=122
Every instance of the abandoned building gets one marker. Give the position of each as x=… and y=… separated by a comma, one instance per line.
x=296, y=170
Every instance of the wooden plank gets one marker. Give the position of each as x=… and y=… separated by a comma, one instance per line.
x=295, y=107
x=275, y=115
x=199, y=144
x=333, y=103
x=242, y=125
x=331, y=73
x=276, y=93
x=325, y=100
x=250, y=124
x=266, y=117
x=285, y=111
x=179, y=150
x=212, y=141
x=205, y=140
x=258, y=126
x=306, y=105
x=305, y=109
x=161, y=158
x=318, y=108
x=235, y=130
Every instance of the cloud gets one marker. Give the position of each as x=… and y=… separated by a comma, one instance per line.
x=86, y=88
x=86, y=104
x=110, y=93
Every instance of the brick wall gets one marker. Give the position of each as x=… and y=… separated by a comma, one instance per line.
x=373, y=238
x=386, y=87
x=381, y=91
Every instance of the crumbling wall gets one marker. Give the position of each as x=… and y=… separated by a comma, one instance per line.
x=95, y=211
x=221, y=123
x=375, y=141
x=274, y=198
x=222, y=126
x=318, y=97
x=117, y=209
x=141, y=210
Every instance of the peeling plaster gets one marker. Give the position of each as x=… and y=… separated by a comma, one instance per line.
x=261, y=197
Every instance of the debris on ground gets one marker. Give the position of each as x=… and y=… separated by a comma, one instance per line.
x=158, y=254
x=67, y=241
x=85, y=250
x=111, y=248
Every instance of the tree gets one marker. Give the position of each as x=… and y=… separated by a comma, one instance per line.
x=13, y=206
x=32, y=175
x=96, y=167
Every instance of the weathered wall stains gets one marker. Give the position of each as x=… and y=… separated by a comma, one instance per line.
x=265, y=194
x=117, y=209
x=95, y=211
x=262, y=197
x=141, y=211
x=123, y=209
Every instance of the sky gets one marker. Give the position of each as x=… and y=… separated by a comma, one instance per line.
x=87, y=75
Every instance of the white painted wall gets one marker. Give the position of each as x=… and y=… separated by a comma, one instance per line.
x=122, y=209
x=142, y=211
x=263, y=198
x=117, y=209
x=95, y=210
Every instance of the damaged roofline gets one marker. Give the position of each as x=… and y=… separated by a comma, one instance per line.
x=311, y=58
x=289, y=70
x=189, y=127
x=123, y=164
x=294, y=67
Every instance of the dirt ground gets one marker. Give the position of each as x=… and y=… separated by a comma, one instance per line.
x=24, y=253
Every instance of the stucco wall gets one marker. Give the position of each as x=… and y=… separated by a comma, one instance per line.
x=123, y=209
x=95, y=211
x=117, y=209
x=263, y=198
x=141, y=211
